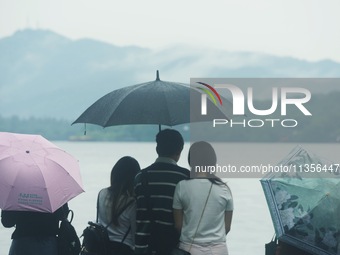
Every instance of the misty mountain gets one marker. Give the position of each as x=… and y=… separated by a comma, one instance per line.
x=44, y=74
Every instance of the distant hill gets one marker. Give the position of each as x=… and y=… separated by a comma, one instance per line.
x=44, y=74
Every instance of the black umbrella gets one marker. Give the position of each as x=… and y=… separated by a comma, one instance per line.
x=155, y=102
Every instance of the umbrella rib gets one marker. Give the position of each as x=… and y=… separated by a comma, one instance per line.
x=168, y=109
x=48, y=190
x=110, y=116
x=36, y=164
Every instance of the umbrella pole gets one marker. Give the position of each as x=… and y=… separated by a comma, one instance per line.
x=159, y=127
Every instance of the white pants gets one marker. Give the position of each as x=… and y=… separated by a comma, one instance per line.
x=211, y=249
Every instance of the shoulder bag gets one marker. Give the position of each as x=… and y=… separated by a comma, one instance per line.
x=68, y=240
x=96, y=237
x=177, y=250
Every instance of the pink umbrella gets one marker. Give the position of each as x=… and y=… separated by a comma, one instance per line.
x=35, y=174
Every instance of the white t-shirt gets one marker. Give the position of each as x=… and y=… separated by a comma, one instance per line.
x=190, y=196
x=126, y=219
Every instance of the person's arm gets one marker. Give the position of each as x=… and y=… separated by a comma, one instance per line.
x=178, y=218
x=8, y=219
x=177, y=208
x=228, y=215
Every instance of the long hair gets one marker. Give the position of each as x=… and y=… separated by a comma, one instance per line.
x=121, y=189
x=202, y=154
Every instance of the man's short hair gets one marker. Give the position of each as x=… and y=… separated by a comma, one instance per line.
x=169, y=142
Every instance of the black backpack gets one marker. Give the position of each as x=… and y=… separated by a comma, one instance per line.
x=95, y=239
x=68, y=240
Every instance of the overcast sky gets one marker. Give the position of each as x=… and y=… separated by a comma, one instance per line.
x=305, y=29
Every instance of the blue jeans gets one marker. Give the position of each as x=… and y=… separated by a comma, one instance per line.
x=34, y=246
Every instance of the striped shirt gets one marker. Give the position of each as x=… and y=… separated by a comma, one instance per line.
x=161, y=179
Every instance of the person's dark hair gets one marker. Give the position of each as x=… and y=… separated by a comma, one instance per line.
x=122, y=182
x=169, y=142
x=202, y=154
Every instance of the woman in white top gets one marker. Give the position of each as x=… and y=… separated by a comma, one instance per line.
x=203, y=206
x=117, y=206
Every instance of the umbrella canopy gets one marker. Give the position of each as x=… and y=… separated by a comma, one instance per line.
x=155, y=102
x=36, y=175
x=305, y=210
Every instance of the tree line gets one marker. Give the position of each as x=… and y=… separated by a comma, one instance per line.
x=322, y=126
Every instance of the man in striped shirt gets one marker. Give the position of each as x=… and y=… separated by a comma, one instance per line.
x=154, y=188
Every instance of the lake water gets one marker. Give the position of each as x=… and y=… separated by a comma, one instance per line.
x=251, y=227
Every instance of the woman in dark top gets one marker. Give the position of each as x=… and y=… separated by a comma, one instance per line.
x=35, y=232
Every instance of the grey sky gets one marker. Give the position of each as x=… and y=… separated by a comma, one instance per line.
x=306, y=29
